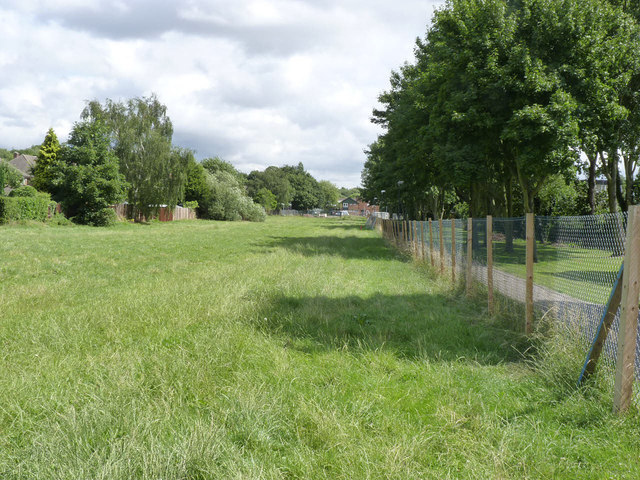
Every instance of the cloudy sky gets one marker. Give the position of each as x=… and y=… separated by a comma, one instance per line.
x=257, y=82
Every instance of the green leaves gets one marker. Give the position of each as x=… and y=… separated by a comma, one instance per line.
x=502, y=89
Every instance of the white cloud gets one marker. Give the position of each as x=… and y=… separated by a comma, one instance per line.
x=258, y=82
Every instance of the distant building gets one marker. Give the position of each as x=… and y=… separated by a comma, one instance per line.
x=344, y=203
x=24, y=164
x=362, y=208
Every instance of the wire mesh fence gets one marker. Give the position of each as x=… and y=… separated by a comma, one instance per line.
x=576, y=261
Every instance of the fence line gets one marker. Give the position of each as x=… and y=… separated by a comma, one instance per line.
x=559, y=267
x=164, y=213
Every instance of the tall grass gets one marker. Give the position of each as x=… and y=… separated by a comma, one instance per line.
x=297, y=348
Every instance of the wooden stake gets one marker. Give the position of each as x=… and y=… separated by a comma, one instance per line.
x=431, y=242
x=490, y=262
x=528, y=327
x=604, y=326
x=469, y=255
x=453, y=250
x=422, y=242
x=441, y=247
x=627, y=333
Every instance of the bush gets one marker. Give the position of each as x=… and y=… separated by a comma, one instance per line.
x=105, y=217
x=59, y=219
x=192, y=204
x=23, y=191
x=24, y=208
x=226, y=200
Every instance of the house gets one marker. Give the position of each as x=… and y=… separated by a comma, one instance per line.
x=362, y=208
x=344, y=203
x=24, y=164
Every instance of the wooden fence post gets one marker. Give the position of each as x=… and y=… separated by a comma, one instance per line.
x=441, y=248
x=469, y=255
x=453, y=250
x=414, y=232
x=528, y=327
x=422, y=242
x=627, y=333
x=431, y=242
x=490, y=262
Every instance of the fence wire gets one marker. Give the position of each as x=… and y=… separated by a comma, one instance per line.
x=576, y=262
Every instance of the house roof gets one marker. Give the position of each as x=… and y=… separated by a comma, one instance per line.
x=24, y=163
x=350, y=200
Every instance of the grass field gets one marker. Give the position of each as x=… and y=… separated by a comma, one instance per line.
x=585, y=274
x=295, y=348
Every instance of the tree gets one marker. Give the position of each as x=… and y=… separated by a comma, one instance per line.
x=141, y=135
x=305, y=187
x=328, y=195
x=274, y=180
x=216, y=164
x=87, y=179
x=195, y=188
x=47, y=158
x=226, y=200
x=267, y=199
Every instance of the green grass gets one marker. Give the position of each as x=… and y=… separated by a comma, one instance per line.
x=585, y=274
x=296, y=348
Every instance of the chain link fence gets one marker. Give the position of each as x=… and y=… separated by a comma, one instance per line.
x=576, y=261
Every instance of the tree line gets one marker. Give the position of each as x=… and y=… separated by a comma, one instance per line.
x=123, y=151
x=512, y=106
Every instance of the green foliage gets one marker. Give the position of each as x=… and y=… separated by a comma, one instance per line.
x=141, y=133
x=267, y=199
x=23, y=191
x=559, y=198
x=225, y=200
x=105, y=217
x=24, y=208
x=328, y=195
x=274, y=180
x=216, y=164
x=87, y=179
x=9, y=176
x=349, y=192
x=196, y=188
x=501, y=97
x=192, y=204
x=306, y=192
x=47, y=158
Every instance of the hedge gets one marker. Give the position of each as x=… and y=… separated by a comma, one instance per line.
x=24, y=208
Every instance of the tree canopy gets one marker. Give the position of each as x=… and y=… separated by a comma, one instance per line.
x=502, y=96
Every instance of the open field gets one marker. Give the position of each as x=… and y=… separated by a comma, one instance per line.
x=295, y=348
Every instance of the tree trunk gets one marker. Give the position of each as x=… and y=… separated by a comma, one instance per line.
x=591, y=182
x=630, y=163
x=612, y=180
x=509, y=226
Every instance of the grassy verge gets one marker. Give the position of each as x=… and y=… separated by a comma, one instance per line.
x=297, y=348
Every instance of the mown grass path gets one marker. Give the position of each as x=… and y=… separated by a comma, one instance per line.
x=297, y=348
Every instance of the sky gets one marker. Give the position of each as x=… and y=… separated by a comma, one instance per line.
x=255, y=82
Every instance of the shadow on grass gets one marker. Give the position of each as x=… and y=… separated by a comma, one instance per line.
x=350, y=247
x=604, y=278
x=344, y=225
x=417, y=326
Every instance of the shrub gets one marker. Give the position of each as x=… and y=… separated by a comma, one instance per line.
x=226, y=200
x=23, y=191
x=105, y=217
x=24, y=208
x=59, y=219
x=193, y=204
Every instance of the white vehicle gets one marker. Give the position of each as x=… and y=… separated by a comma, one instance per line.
x=343, y=213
